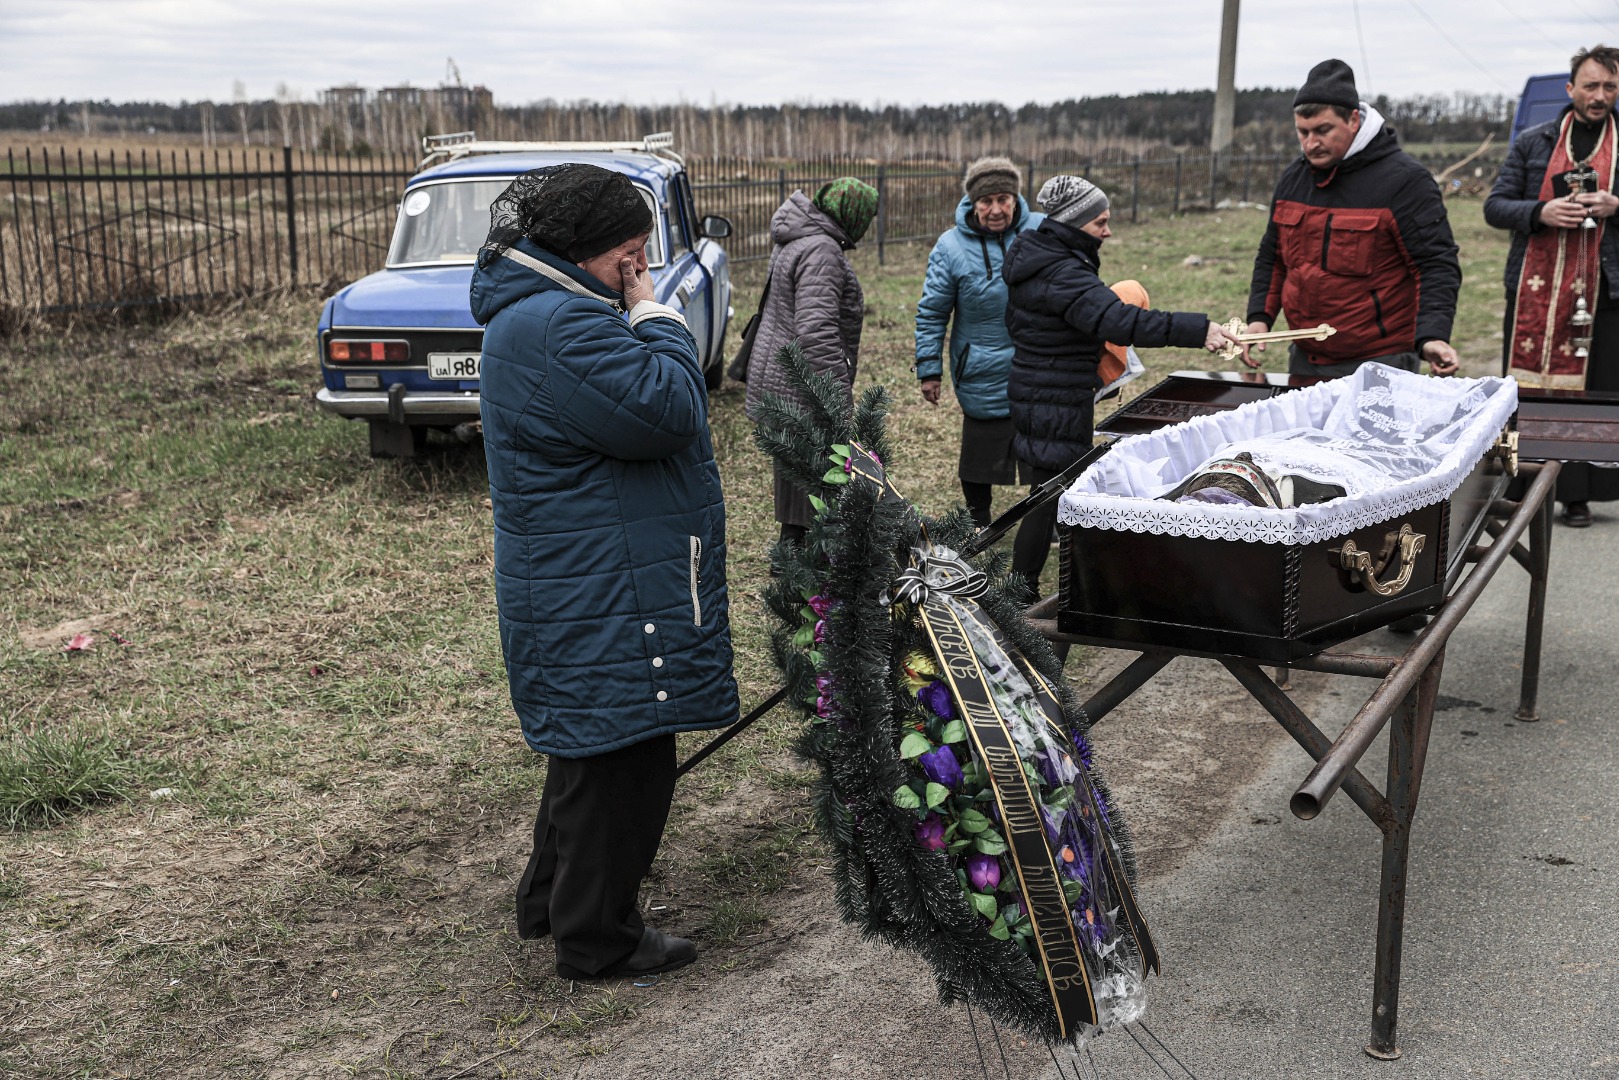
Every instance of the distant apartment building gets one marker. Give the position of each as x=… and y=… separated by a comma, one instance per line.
x=395, y=117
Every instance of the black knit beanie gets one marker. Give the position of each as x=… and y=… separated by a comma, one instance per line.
x=1331, y=82
x=574, y=211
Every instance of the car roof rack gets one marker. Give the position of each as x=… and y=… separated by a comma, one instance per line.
x=462, y=144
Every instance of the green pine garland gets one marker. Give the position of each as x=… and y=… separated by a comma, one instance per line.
x=884, y=880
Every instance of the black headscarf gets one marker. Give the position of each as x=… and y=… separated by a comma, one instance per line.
x=573, y=211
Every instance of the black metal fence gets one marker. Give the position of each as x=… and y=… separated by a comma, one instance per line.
x=108, y=232
x=112, y=233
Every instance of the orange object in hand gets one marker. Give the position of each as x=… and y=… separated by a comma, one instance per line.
x=1114, y=361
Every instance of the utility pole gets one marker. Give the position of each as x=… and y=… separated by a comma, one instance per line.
x=1225, y=91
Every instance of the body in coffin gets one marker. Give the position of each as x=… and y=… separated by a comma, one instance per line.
x=1277, y=595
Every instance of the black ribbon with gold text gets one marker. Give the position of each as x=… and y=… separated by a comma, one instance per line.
x=1038, y=879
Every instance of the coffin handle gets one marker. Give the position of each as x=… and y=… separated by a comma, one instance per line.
x=1404, y=546
x=1506, y=451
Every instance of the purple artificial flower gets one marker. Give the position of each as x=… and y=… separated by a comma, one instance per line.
x=942, y=767
x=1075, y=858
x=930, y=833
x=823, y=707
x=823, y=695
x=1083, y=747
x=820, y=605
x=1053, y=826
x=984, y=872
x=935, y=696
x=820, y=631
x=1086, y=922
x=1056, y=768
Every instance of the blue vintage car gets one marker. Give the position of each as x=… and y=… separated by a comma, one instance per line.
x=399, y=348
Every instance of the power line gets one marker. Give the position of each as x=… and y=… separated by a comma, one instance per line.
x=1440, y=30
x=1365, y=64
x=1543, y=35
x=1588, y=15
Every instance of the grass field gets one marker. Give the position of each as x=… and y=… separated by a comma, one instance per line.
x=268, y=823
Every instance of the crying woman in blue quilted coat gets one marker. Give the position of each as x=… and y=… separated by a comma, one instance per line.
x=609, y=550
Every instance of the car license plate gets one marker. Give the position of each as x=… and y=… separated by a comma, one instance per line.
x=453, y=365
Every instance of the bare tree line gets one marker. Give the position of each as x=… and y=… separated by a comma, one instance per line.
x=355, y=121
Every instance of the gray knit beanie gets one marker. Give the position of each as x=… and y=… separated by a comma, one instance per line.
x=1072, y=200
x=992, y=176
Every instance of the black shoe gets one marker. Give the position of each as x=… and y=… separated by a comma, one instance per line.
x=656, y=952
x=1577, y=515
x=1410, y=624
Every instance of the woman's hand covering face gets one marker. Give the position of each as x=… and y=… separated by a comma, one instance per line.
x=609, y=268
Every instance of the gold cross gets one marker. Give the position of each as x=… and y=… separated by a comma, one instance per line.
x=1238, y=329
x=1536, y=282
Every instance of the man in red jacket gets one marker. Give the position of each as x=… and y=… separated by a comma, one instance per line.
x=1358, y=239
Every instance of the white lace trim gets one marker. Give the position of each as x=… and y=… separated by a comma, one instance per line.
x=1450, y=422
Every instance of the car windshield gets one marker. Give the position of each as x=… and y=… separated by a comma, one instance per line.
x=448, y=222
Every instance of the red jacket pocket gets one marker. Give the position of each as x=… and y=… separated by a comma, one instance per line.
x=1351, y=244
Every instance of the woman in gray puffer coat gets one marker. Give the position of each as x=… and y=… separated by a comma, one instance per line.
x=814, y=299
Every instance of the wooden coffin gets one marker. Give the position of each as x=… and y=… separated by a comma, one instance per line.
x=1270, y=602
x=1567, y=425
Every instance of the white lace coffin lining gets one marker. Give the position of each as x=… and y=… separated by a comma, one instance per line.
x=1397, y=441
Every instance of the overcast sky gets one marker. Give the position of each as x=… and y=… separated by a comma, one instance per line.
x=757, y=51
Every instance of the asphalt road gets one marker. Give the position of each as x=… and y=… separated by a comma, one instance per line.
x=1511, y=965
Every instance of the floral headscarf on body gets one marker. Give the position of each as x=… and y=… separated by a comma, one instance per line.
x=849, y=202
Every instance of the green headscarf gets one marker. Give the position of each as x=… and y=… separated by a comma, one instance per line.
x=849, y=202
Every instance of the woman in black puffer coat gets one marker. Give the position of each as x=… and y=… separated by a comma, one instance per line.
x=1059, y=313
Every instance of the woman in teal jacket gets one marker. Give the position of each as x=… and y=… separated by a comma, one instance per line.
x=609, y=550
x=964, y=281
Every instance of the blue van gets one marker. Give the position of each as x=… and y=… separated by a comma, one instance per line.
x=399, y=348
x=1543, y=98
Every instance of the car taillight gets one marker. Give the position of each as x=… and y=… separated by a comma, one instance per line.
x=389, y=351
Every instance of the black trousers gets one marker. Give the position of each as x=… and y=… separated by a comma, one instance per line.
x=978, y=498
x=1033, y=541
x=600, y=821
x=1581, y=481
